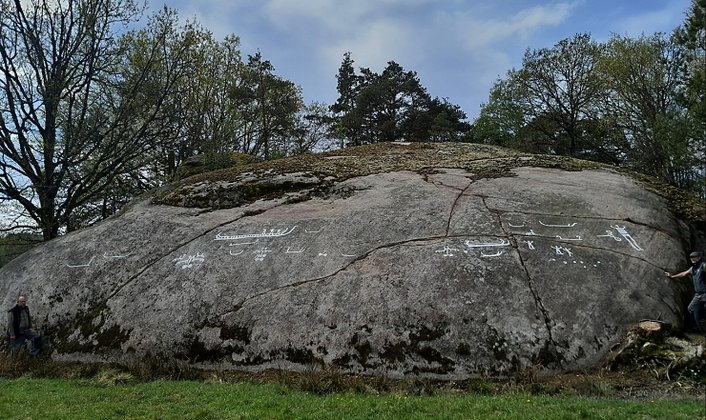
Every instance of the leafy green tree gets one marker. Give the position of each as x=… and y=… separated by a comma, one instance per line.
x=267, y=107
x=642, y=75
x=391, y=106
x=162, y=56
x=401, y=101
x=562, y=87
x=554, y=104
x=448, y=122
x=348, y=86
x=71, y=122
x=617, y=102
x=208, y=120
x=503, y=117
x=313, y=130
x=692, y=37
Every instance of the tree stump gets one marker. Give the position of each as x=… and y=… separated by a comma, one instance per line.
x=652, y=330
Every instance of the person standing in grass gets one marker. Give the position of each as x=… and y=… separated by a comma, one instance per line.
x=698, y=277
x=19, y=327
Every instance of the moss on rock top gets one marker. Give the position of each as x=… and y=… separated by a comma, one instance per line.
x=302, y=175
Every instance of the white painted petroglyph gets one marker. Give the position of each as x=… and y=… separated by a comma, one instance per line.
x=448, y=251
x=115, y=257
x=624, y=233
x=503, y=242
x=236, y=254
x=348, y=255
x=562, y=250
x=244, y=243
x=81, y=265
x=610, y=234
x=187, y=261
x=558, y=226
x=530, y=244
x=577, y=238
x=516, y=226
x=272, y=233
x=292, y=251
x=531, y=233
x=558, y=250
x=261, y=253
x=497, y=254
x=323, y=254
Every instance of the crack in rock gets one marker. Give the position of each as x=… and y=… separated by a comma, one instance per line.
x=625, y=219
x=179, y=246
x=455, y=204
x=537, y=300
x=361, y=257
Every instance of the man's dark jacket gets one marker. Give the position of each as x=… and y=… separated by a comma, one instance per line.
x=17, y=316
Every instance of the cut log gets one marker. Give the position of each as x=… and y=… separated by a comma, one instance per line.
x=653, y=330
x=650, y=326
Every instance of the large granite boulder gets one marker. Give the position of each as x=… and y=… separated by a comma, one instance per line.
x=440, y=260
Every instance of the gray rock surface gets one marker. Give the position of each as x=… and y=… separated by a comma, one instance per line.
x=441, y=274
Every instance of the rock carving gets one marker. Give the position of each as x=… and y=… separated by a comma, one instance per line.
x=244, y=243
x=272, y=233
x=82, y=265
x=448, y=251
x=562, y=250
x=261, y=253
x=610, y=234
x=187, y=261
x=115, y=257
x=558, y=226
x=621, y=230
x=497, y=254
x=503, y=242
x=577, y=238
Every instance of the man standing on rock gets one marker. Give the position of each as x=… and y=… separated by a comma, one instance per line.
x=19, y=327
x=696, y=307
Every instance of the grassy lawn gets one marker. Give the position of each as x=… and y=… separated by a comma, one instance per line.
x=89, y=399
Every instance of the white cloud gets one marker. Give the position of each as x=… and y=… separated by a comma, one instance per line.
x=458, y=47
x=341, y=15
x=663, y=20
x=476, y=32
x=376, y=43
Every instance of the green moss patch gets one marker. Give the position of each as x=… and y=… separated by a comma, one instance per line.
x=314, y=174
x=94, y=335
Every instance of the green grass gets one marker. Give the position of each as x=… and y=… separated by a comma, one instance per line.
x=92, y=399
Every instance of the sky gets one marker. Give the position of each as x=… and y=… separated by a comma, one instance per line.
x=458, y=48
